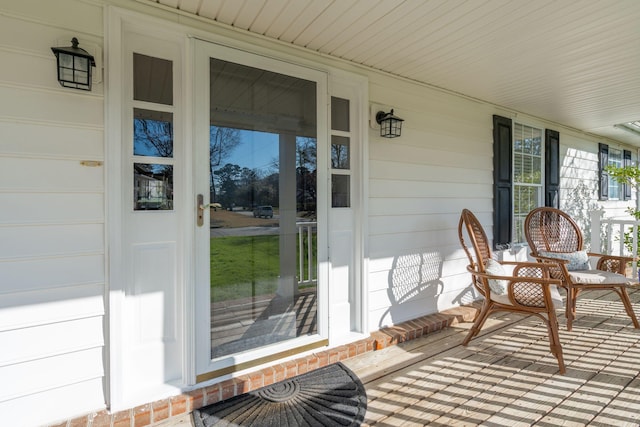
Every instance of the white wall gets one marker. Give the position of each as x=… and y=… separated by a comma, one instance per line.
x=52, y=246
x=419, y=183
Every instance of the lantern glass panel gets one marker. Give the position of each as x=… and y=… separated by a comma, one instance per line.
x=66, y=60
x=385, y=128
x=66, y=74
x=81, y=77
x=82, y=64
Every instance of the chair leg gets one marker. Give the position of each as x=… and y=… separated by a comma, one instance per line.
x=554, y=340
x=571, y=307
x=624, y=296
x=480, y=319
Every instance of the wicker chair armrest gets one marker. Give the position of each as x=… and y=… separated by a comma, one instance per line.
x=527, y=291
x=614, y=257
x=613, y=263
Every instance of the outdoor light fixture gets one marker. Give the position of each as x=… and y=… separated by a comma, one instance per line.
x=390, y=125
x=74, y=66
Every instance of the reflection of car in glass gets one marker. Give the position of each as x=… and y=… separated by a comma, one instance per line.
x=263, y=211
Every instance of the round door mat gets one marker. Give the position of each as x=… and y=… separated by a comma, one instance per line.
x=329, y=396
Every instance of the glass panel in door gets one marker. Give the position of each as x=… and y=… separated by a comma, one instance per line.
x=263, y=165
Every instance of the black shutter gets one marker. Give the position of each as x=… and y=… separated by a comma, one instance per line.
x=603, y=176
x=502, y=175
x=552, y=169
x=626, y=158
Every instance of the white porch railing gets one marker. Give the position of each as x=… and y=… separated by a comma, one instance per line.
x=607, y=237
x=306, y=274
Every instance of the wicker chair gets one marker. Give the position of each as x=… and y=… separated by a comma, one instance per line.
x=528, y=287
x=555, y=238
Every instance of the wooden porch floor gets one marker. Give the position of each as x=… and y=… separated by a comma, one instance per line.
x=508, y=377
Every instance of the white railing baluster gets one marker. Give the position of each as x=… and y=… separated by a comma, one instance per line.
x=612, y=234
x=306, y=276
x=310, y=270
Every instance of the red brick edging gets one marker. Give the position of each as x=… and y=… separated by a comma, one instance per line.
x=165, y=409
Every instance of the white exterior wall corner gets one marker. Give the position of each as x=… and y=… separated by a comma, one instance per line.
x=52, y=221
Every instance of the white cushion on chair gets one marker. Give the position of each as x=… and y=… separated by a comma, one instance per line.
x=599, y=277
x=578, y=260
x=556, y=298
x=493, y=267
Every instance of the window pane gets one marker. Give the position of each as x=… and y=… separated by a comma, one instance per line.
x=152, y=79
x=525, y=198
x=152, y=133
x=527, y=175
x=615, y=188
x=339, y=152
x=339, y=114
x=152, y=187
x=263, y=167
x=340, y=194
x=536, y=168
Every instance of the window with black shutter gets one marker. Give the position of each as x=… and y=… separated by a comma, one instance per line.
x=526, y=175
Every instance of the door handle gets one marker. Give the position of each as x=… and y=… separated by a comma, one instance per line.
x=200, y=210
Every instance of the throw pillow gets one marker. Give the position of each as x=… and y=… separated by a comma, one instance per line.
x=498, y=286
x=578, y=260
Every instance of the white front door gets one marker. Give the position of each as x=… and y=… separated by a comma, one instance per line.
x=260, y=174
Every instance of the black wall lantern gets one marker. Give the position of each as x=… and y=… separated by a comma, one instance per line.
x=390, y=125
x=74, y=66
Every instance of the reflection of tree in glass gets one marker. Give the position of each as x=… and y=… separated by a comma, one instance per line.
x=339, y=152
x=227, y=177
x=338, y=155
x=221, y=142
x=242, y=186
x=153, y=137
x=306, y=167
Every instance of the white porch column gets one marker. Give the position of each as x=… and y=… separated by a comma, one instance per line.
x=287, y=283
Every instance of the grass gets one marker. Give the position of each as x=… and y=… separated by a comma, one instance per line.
x=245, y=266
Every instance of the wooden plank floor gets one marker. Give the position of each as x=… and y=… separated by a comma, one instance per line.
x=508, y=377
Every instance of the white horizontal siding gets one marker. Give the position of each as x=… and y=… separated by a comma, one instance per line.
x=36, y=274
x=48, y=406
x=451, y=205
x=55, y=106
x=58, y=175
x=56, y=240
x=36, y=308
x=28, y=344
x=51, y=208
x=29, y=377
x=51, y=140
x=52, y=256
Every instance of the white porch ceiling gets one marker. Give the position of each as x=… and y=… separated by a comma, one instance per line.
x=574, y=62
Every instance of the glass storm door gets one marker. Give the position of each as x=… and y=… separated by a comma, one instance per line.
x=257, y=285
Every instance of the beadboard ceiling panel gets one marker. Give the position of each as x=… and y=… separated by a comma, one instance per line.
x=574, y=62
